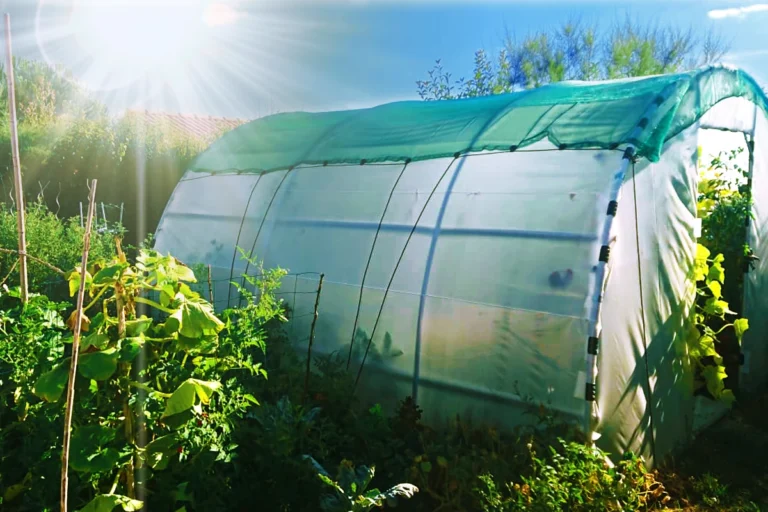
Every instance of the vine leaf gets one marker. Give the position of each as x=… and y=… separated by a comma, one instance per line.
x=108, y=502
x=74, y=281
x=97, y=339
x=99, y=365
x=740, y=326
x=714, y=376
x=716, y=307
x=158, y=453
x=194, y=319
x=90, y=453
x=184, y=397
x=716, y=271
x=700, y=263
x=108, y=275
x=716, y=288
x=130, y=348
x=51, y=384
x=137, y=327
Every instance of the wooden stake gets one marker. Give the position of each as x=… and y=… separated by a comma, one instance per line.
x=312, y=336
x=75, y=351
x=16, y=161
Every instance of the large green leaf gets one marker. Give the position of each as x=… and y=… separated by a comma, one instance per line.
x=716, y=273
x=110, y=274
x=167, y=293
x=740, y=326
x=714, y=376
x=138, y=326
x=704, y=347
x=74, y=281
x=177, y=271
x=90, y=451
x=184, y=397
x=51, y=384
x=159, y=452
x=130, y=348
x=108, y=502
x=716, y=307
x=199, y=320
x=716, y=288
x=99, y=365
x=96, y=339
x=194, y=319
x=701, y=267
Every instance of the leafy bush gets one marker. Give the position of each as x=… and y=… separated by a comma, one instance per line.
x=714, y=331
x=52, y=239
x=31, y=339
x=574, y=477
x=724, y=206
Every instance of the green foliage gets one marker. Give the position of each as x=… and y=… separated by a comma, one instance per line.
x=349, y=489
x=723, y=205
x=50, y=238
x=108, y=502
x=31, y=341
x=574, y=477
x=576, y=51
x=67, y=138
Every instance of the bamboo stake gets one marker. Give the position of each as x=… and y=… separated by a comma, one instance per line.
x=75, y=352
x=312, y=336
x=16, y=161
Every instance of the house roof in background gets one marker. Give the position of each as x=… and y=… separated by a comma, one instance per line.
x=203, y=127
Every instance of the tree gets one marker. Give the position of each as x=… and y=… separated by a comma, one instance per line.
x=577, y=51
x=66, y=137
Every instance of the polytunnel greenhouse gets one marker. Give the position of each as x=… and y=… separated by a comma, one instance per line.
x=481, y=253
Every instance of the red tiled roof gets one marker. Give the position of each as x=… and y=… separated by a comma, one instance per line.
x=204, y=127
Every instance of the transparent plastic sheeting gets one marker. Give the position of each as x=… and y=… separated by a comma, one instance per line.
x=505, y=314
x=569, y=114
x=632, y=395
x=755, y=344
x=509, y=294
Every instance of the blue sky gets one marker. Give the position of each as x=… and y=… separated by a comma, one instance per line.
x=256, y=57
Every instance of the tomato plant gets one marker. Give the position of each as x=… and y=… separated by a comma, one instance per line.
x=148, y=386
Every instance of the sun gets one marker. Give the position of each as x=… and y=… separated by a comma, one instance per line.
x=229, y=57
x=122, y=43
x=126, y=41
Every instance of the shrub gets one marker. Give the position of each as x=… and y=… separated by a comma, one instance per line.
x=52, y=239
x=574, y=477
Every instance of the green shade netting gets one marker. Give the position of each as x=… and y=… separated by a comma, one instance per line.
x=644, y=112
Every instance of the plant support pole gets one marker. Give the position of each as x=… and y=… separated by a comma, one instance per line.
x=75, y=351
x=16, y=161
x=591, y=413
x=312, y=336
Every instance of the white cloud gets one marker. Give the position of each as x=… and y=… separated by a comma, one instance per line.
x=737, y=12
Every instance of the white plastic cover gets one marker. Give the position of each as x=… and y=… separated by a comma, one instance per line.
x=504, y=319
x=637, y=387
x=755, y=348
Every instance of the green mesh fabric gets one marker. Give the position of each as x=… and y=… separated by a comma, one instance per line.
x=644, y=112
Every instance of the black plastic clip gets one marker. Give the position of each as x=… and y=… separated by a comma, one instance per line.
x=629, y=154
x=589, y=392
x=592, y=345
x=605, y=253
x=613, y=207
